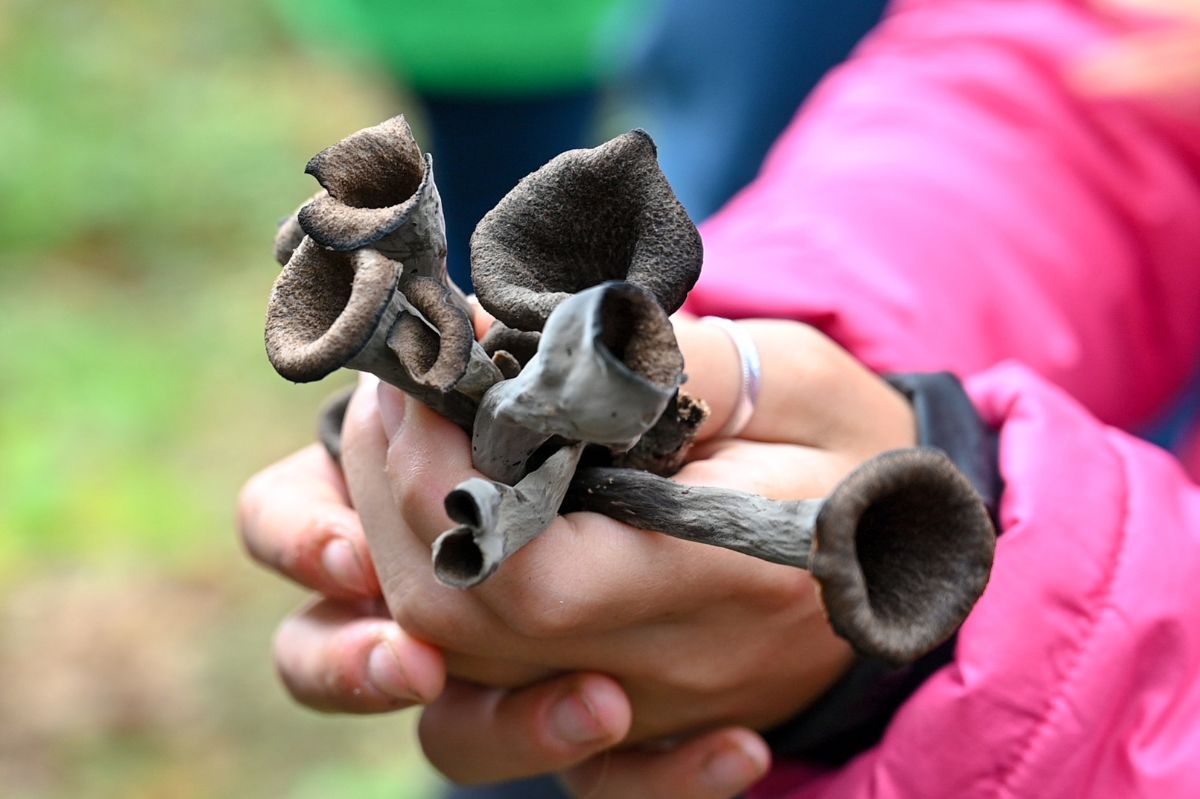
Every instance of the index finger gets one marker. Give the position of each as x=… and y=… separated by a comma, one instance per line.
x=294, y=518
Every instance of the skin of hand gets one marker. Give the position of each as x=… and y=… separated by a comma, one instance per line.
x=1161, y=60
x=594, y=634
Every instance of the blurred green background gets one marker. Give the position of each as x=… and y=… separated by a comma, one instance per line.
x=147, y=151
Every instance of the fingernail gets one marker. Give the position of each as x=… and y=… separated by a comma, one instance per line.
x=340, y=561
x=574, y=721
x=732, y=769
x=386, y=673
x=391, y=409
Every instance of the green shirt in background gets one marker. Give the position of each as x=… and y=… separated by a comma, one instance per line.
x=477, y=47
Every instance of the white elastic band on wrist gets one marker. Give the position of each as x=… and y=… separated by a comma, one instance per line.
x=751, y=375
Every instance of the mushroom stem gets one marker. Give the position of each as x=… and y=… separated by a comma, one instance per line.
x=495, y=520
x=901, y=548
x=606, y=366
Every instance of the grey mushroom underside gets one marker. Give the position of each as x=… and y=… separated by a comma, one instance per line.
x=390, y=356
x=606, y=367
x=496, y=520
x=442, y=353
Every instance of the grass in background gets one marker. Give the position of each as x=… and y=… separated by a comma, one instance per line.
x=149, y=150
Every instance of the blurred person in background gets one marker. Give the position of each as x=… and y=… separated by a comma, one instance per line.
x=985, y=181
x=505, y=87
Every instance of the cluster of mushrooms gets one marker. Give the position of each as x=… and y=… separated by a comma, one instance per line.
x=572, y=399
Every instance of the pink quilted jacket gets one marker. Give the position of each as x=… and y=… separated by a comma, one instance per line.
x=945, y=201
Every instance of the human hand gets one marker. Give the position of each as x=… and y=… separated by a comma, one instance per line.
x=341, y=651
x=591, y=594
x=329, y=658
x=830, y=392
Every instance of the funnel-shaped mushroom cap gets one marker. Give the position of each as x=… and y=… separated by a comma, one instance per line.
x=903, y=550
x=586, y=217
x=379, y=192
x=606, y=366
x=324, y=308
x=495, y=520
x=288, y=236
x=902, y=547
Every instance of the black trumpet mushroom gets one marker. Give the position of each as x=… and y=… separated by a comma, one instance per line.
x=902, y=547
x=586, y=217
x=358, y=310
x=582, y=263
x=606, y=367
x=379, y=193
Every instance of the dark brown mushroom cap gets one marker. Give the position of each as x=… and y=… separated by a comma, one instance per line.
x=663, y=448
x=586, y=217
x=288, y=236
x=324, y=308
x=521, y=345
x=903, y=549
x=374, y=180
x=435, y=359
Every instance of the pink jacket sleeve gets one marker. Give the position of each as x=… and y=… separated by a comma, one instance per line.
x=945, y=202
x=1078, y=673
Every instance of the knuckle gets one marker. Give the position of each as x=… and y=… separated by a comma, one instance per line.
x=343, y=668
x=539, y=624
x=781, y=590
x=421, y=503
x=423, y=615
x=358, y=429
x=541, y=611
x=707, y=677
x=298, y=551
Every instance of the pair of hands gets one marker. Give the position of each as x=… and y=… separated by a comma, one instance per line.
x=596, y=635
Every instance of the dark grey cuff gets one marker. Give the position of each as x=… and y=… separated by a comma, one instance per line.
x=852, y=715
x=947, y=420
